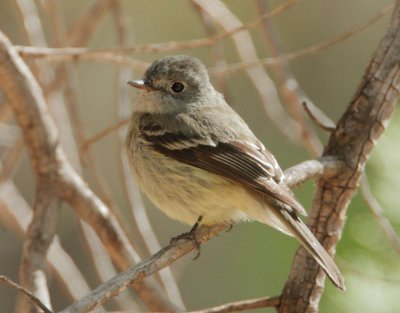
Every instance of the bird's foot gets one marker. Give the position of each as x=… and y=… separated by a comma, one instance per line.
x=190, y=235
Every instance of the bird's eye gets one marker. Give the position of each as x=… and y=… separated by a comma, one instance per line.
x=177, y=87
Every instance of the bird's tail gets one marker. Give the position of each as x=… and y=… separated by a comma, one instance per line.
x=296, y=227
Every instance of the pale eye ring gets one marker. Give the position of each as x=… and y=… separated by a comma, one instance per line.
x=177, y=87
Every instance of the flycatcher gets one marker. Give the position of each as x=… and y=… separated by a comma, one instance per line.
x=193, y=156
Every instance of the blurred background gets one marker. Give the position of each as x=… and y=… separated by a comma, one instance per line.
x=251, y=260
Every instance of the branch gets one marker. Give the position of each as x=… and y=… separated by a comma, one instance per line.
x=266, y=302
x=319, y=118
x=288, y=87
x=169, y=254
x=115, y=55
x=39, y=236
x=259, y=77
x=16, y=214
x=357, y=131
x=48, y=160
x=6, y=281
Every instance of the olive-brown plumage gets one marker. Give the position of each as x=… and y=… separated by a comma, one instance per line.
x=193, y=155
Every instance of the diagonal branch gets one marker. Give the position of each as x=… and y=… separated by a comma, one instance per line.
x=294, y=176
x=356, y=133
x=26, y=99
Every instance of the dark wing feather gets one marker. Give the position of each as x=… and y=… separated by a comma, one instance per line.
x=245, y=164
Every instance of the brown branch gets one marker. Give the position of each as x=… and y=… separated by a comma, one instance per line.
x=39, y=236
x=169, y=254
x=266, y=302
x=140, y=217
x=216, y=54
x=359, y=128
x=16, y=215
x=76, y=53
x=101, y=134
x=321, y=120
x=113, y=55
x=263, y=84
x=88, y=22
x=48, y=160
x=287, y=84
x=42, y=228
x=314, y=49
x=6, y=281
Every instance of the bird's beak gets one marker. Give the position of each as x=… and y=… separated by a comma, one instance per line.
x=141, y=84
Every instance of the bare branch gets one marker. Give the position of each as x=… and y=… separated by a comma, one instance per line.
x=258, y=76
x=101, y=134
x=141, y=219
x=4, y=280
x=312, y=169
x=88, y=22
x=217, y=53
x=39, y=236
x=357, y=131
x=113, y=55
x=175, y=250
x=16, y=215
x=321, y=120
x=287, y=84
x=238, y=306
x=48, y=159
x=314, y=49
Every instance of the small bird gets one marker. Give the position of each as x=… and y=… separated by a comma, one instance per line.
x=196, y=158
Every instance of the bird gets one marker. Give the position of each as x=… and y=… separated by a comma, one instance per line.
x=199, y=162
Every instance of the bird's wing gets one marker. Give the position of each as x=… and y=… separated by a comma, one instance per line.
x=247, y=164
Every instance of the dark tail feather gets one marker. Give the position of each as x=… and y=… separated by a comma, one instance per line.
x=311, y=244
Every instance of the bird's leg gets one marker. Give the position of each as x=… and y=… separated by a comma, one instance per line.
x=191, y=235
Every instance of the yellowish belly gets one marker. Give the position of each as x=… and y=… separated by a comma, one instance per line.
x=184, y=192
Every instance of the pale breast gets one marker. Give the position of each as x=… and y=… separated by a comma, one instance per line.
x=184, y=192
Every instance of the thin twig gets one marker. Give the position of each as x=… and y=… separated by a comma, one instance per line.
x=6, y=281
x=217, y=54
x=263, y=84
x=321, y=120
x=16, y=215
x=141, y=218
x=101, y=134
x=76, y=53
x=175, y=250
x=102, y=262
x=42, y=228
x=238, y=306
x=378, y=214
x=287, y=84
x=353, y=139
x=49, y=160
x=314, y=49
x=113, y=56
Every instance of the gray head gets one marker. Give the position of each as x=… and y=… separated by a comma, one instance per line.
x=173, y=82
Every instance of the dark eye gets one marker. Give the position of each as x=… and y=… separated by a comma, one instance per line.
x=177, y=87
